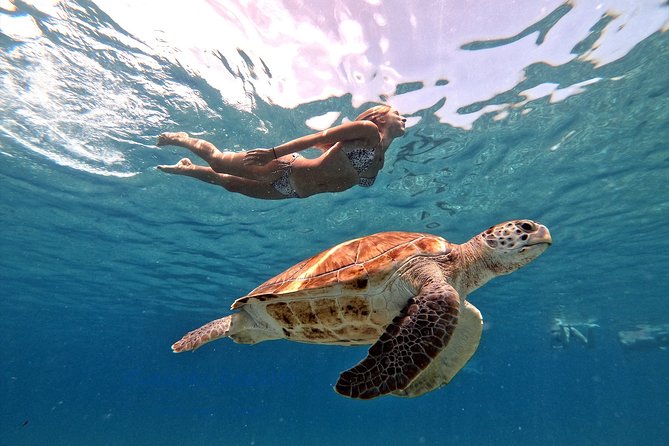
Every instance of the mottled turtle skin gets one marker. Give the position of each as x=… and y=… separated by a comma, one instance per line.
x=403, y=292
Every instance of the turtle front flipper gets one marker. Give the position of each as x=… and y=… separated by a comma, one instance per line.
x=409, y=344
x=462, y=345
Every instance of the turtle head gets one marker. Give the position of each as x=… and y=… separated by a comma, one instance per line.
x=515, y=243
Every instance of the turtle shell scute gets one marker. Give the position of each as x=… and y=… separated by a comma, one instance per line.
x=352, y=265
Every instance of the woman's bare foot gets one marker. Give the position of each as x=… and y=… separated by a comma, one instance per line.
x=179, y=168
x=171, y=138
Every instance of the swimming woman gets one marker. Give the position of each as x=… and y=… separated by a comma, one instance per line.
x=353, y=154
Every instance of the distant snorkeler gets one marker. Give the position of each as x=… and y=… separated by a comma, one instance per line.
x=645, y=337
x=563, y=332
x=353, y=154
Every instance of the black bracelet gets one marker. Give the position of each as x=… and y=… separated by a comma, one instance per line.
x=274, y=151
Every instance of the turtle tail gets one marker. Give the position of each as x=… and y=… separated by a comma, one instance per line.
x=209, y=332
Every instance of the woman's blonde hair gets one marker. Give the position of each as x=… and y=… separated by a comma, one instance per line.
x=374, y=113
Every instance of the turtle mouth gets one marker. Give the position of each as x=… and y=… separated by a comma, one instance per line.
x=539, y=245
x=540, y=242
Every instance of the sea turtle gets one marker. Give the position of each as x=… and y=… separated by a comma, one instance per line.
x=403, y=292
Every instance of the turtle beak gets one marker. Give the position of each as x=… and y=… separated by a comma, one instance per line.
x=541, y=235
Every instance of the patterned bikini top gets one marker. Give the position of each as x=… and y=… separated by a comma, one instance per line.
x=361, y=159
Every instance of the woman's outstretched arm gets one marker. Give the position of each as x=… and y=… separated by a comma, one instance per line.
x=364, y=130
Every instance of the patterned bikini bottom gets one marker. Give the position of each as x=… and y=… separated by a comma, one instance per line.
x=282, y=184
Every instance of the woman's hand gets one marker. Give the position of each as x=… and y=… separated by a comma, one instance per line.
x=259, y=157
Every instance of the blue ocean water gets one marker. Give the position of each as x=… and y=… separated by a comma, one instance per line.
x=105, y=261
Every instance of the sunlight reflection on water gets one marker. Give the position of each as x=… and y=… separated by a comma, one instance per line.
x=76, y=82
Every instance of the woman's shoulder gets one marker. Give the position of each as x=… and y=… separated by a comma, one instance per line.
x=357, y=126
x=364, y=131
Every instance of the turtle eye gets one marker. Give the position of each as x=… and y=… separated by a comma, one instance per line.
x=528, y=226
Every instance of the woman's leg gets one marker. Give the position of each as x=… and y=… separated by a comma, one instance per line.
x=244, y=186
x=231, y=163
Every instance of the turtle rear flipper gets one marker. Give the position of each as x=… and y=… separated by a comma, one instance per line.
x=407, y=347
x=209, y=332
x=241, y=327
